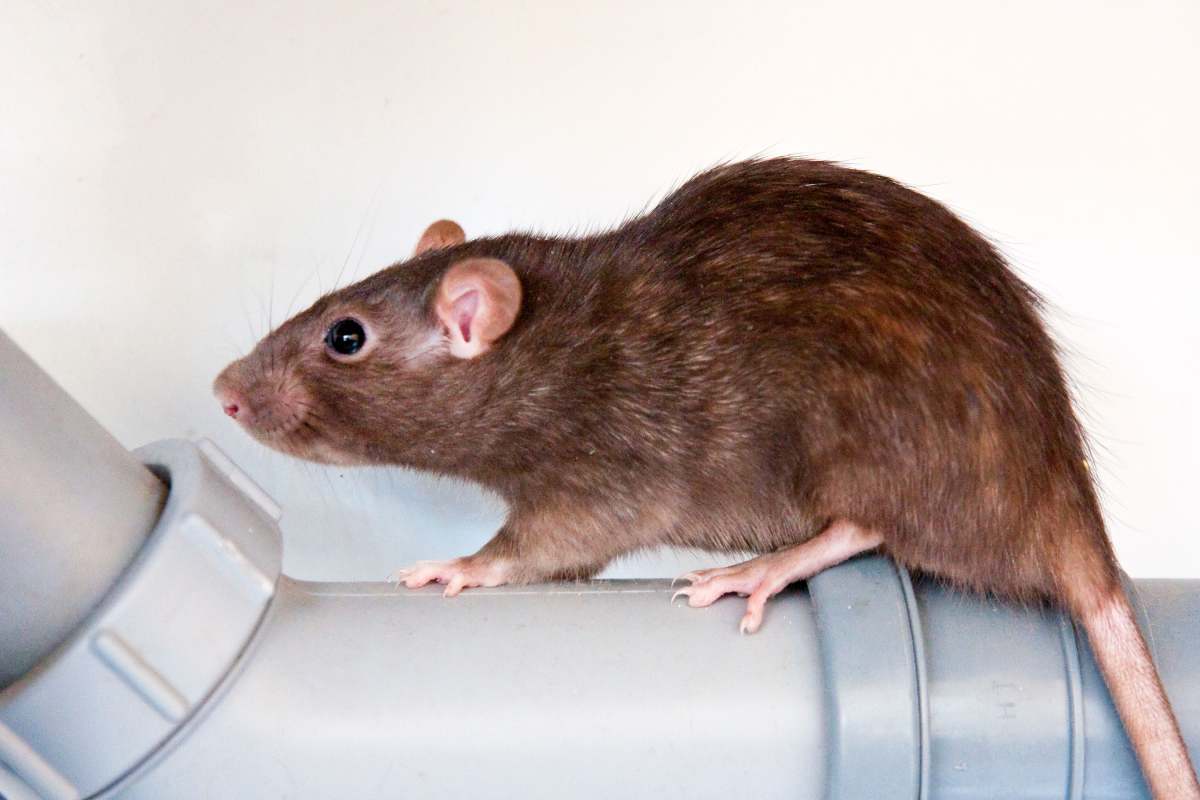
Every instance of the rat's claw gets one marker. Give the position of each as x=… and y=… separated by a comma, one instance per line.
x=691, y=577
x=700, y=594
x=456, y=585
x=748, y=625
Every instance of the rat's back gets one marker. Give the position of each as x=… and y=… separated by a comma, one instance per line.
x=866, y=355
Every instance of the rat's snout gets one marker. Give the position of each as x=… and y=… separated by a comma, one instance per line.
x=233, y=402
x=266, y=403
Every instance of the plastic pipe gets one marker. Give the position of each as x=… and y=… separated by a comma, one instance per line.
x=75, y=507
x=607, y=690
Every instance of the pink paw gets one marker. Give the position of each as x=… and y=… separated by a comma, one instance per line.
x=753, y=579
x=457, y=574
x=764, y=577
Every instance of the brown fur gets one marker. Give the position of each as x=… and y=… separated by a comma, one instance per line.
x=777, y=345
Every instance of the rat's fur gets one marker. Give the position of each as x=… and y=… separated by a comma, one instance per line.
x=779, y=344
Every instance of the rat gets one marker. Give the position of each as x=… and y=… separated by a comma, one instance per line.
x=784, y=356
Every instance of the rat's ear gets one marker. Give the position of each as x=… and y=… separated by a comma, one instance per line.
x=443, y=233
x=477, y=302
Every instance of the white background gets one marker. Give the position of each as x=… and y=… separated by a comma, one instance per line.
x=171, y=176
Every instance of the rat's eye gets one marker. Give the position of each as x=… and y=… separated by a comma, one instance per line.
x=346, y=337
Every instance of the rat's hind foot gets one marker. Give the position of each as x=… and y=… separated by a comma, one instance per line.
x=764, y=577
x=759, y=578
x=457, y=574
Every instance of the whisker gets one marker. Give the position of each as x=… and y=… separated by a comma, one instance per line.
x=262, y=312
x=354, y=242
x=370, y=230
x=317, y=272
x=288, y=314
x=249, y=324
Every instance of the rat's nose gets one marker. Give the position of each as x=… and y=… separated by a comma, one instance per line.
x=231, y=403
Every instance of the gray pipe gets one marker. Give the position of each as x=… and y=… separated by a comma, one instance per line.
x=202, y=672
x=75, y=507
x=607, y=690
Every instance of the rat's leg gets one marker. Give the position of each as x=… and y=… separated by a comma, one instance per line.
x=763, y=577
x=493, y=565
x=528, y=549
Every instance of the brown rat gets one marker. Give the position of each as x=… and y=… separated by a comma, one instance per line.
x=784, y=356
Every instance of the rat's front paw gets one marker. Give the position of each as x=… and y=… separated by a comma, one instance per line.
x=457, y=574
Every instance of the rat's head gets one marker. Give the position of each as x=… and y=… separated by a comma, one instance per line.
x=355, y=377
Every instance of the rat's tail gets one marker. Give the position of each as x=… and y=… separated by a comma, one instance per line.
x=1133, y=682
